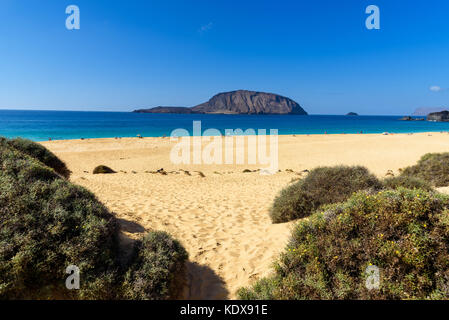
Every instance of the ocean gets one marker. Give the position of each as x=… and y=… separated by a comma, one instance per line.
x=57, y=125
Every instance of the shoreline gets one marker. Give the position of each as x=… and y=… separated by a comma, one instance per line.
x=283, y=135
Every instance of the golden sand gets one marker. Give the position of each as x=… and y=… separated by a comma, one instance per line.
x=222, y=219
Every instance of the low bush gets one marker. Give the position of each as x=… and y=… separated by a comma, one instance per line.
x=432, y=167
x=40, y=153
x=404, y=233
x=323, y=185
x=47, y=224
x=157, y=270
x=408, y=182
x=103, y=170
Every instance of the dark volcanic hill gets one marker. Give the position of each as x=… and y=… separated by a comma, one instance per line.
x=438, y=116
x=238, y=102
x=249, y=102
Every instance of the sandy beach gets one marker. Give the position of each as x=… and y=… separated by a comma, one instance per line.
x=221, y=214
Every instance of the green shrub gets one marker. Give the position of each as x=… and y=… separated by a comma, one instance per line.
x=261, y=290
x=405, y=233
x=103, y=170
x=322, y=185
x=47, y=224
x=408, y=182
x=432, y=167
x=40, y=153
x=157, y=270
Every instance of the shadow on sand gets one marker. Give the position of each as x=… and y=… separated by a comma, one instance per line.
x=130, y=226
x=204, y=284
x=126, y=244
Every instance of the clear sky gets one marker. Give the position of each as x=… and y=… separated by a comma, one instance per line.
x=133, y=54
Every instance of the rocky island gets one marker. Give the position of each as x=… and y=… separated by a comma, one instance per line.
x=442, y=116
x=409, y=118
x=352, y=114
x=165, y=110
x=238, y=102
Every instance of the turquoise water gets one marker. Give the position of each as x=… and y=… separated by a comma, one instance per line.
x=41, y=125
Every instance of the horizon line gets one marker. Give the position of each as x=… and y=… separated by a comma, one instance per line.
x=309, y=114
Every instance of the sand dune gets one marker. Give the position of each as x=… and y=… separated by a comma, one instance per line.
x=222, y=218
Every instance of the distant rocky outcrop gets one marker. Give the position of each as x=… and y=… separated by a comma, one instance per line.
x=238, y=102
x=426, y=111
x=165, y=110
x=438, y=116
x=408, y=118
x=352, y=114
x=250, y=102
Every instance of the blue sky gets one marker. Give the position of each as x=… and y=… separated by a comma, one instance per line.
x=133, y=54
